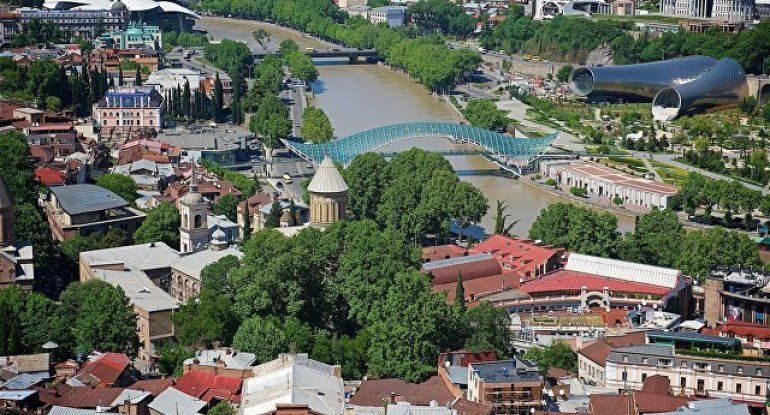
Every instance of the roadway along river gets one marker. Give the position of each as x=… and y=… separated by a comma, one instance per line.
x=360, y=97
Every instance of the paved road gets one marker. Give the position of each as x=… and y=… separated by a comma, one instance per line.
x=296, y=107
x=652, y=170
x=669, y=159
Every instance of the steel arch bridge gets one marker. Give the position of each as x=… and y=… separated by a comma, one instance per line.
x=504, y=147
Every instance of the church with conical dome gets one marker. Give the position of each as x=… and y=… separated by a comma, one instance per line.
x=328, y=192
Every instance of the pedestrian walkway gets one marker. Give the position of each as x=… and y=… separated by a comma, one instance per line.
x=652, y=170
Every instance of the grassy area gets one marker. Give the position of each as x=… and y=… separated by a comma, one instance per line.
x=626, y=163
x=669, y=174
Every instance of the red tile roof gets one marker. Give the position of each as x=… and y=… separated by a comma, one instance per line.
x=85, y=397
x=41, y=152
x=479, y=287
x=375, y=392
x=50, y=177
x=473, y=268
x=563, y=280
x=206, y=386
x=741, y=329
x=107, y=368
x=434, y=253
x=518, y=255
x=154, y=386
x=597, y=351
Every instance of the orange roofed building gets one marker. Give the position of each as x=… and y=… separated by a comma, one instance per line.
x=494, y=265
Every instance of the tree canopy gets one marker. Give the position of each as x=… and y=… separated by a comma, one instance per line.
x=120, y=184
x=316, y=127
x=577, y=229
x=161, y=225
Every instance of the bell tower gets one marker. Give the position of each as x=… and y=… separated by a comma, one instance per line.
x=193, y=226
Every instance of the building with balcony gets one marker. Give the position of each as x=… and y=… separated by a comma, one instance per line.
x=706, y=375
x=510, y=386
x=737, y=296
x=82, y=209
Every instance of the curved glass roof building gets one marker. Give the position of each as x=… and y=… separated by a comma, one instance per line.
x=344, y=150
x=640, y=81
x=724, y=83
x=675, y=85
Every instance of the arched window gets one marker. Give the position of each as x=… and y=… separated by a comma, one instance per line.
x=198, y=221
x=184, y=220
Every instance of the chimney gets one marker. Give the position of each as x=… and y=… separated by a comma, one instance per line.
x=392, y=398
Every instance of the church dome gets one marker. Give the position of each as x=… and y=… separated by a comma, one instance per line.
x=219, y=235
x=191, y=198
x=118, y=5
x=327, y=179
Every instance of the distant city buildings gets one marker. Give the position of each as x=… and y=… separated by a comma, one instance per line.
x=83, y=23
x=393, y=16
x=725, y=10
x=135, y=36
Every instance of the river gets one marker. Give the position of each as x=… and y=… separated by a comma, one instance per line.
x=361, y=97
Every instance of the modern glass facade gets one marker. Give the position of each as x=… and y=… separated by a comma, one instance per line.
x=674, y=86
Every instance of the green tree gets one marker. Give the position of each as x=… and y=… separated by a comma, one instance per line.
x=749, y=105
x=122, y=185
x=205, y=319
x=263, y=336
x=11, y=330
x=262, y=37
x=489, y=329
x=100, y=317
x=575, y=228
x=656, y=240
x=222, y=408
x=407, y=334
x=316, y=126
x=138, y=76
x=460, y=292
x=563, y=73
x=366, y=177
x=217, y=99
x=273, y=219
x=483, y=113
x=53, y=104
x=702, y=250
x=502, y=227
x=557, y=355
x=171, y=358
x=160, y=225
x=226, y=205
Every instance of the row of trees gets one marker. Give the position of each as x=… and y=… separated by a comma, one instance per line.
x=439, y=16
x=51, y=87
x=571, y=38
x=183, y=104
x=732, y=197
x=658, y=239
x=425, y=58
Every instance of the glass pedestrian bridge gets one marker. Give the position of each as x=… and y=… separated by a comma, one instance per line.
x=344, y=150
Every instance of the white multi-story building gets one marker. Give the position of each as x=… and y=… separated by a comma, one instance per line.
x=713, y=377
x=734, y=10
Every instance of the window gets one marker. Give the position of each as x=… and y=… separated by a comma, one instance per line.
x=757, y=390
x=644, y=376
x=683, y=364
x=644, y=360
x=720, y=386
x=625, y=358
x=759, y=372
x=721, y=368
x=701, y=384
x=738, y=388
x=740, y=369
x=683, y=382
x=625, y=376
